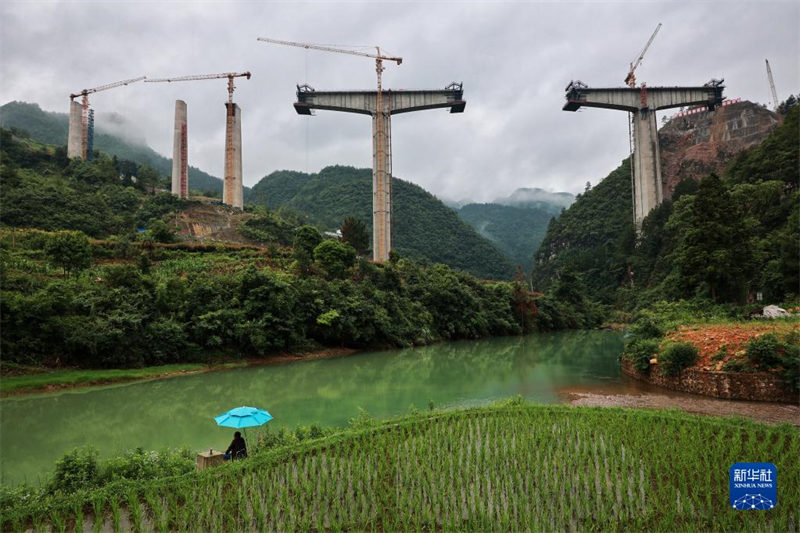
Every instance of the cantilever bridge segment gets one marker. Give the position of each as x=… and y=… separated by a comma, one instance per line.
x=393, y=103
x=642, y=103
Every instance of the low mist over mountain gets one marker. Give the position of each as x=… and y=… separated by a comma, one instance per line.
x=114, y=135
x=538, y=198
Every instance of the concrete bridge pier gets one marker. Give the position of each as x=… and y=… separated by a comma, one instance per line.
x=393, y=103
x=180, y=148
x=647, y=187
x=381, y=186
x=232, y=192
x=75, y=135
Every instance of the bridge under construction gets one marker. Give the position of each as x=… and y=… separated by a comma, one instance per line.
x=642, y=103
x=391, y=103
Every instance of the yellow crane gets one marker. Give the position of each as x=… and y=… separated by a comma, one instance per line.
x=229, y=75
x=85, y=108
x=630, y=79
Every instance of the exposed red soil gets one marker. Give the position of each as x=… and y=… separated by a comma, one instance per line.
x=710, y=338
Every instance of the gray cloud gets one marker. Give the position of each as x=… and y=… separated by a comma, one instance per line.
x=514, y=59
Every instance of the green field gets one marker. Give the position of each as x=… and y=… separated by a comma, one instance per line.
x=505, y=468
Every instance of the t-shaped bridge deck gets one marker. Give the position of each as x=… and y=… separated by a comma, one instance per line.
x=393, y=103
x=648, y=191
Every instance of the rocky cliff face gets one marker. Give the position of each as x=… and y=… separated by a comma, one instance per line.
x=695, y=145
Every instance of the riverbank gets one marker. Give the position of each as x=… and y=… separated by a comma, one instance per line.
x=733, y=359
x=19, y=380
x=592, y=469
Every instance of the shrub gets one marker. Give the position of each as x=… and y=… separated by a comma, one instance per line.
x=640, y=351
x=678, y=356
x=765, y=350
x=77, y=469
x=647, y=326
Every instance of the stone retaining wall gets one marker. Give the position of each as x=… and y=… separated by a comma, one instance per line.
x=762, y=387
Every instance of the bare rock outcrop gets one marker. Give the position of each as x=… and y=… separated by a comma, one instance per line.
x=696, y=144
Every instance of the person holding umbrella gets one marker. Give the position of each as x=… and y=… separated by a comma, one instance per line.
x=237, y=449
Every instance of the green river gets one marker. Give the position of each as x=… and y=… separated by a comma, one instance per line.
x=36, y=430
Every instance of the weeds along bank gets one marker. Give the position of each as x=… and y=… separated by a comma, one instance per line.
x=498, y=468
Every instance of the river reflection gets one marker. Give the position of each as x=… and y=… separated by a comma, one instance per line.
x=37, y=430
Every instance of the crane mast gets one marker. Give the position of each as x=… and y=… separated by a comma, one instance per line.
x=630, y=79
x=195, y=77
x=772, y=87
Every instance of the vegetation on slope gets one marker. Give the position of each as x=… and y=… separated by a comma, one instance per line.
x=723, y=239
x=591, y=237
x=52, y=128
x=504, y=467
x=516, y=231
x=423, y=228
x=130, y=300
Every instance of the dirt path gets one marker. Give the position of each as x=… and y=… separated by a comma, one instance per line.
x=640, y=395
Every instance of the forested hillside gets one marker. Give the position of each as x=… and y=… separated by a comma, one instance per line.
x=516, y=231
x=725, y=238
x=423, y=227
x=132, y=298
x=51, y=128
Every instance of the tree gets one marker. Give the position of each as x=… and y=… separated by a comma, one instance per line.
x=70, y=250
x=714, y=251
x=354, y=233
x=159, y=231
x=306, y=240
x=335, y=257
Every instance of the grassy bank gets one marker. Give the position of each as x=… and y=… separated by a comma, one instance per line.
x=498, y=468
x=17, y=379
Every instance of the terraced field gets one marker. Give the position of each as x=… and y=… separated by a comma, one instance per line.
x=504, y=468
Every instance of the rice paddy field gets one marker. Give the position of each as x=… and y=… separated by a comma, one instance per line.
x=511, y=467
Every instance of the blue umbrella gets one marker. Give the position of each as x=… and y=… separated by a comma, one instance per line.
x=243, y=417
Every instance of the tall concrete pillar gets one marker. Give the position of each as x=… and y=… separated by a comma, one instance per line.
x=232, y=192
x=381, y=186
x=180, y=148
x=647, y=188
x=75, y=135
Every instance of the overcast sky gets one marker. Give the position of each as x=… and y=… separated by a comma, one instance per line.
x=514, y=58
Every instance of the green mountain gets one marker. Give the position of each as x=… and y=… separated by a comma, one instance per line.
x=516, y=231
x=51, y=128
x=591, y=237
x=423, y=227
x=723, y=238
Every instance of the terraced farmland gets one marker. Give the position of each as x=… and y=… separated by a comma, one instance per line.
x=503, y=468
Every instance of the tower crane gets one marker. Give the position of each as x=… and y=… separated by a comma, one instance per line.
x=85, y=109
x=772, y=87
x=229, y=75
x=630, y=79
x=232, y=193
x=379, y=58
